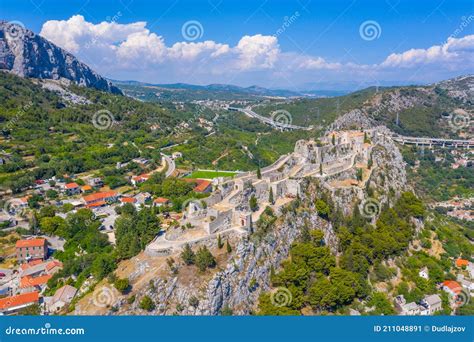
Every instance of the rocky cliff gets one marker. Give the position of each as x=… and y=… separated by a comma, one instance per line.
x=28, y=55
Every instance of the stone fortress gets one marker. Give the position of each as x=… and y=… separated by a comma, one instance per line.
x=227, y=209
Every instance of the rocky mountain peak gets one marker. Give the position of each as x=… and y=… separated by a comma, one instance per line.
x=26, y=54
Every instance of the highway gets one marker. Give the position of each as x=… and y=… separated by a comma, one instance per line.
x=433, y=141
x=269, y=121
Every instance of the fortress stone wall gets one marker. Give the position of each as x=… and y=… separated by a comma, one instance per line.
x=228, y=206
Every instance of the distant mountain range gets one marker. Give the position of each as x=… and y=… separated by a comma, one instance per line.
x=26, y=54
x=176, y=91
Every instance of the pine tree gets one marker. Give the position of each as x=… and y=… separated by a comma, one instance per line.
x=253, y=203
x=270, y=196
x=220, y=244
x=334, y=139
x=359, y=174
x=188, y=255
x=321, y=169
x=204, y=259
x=228, y=247
x=259, y=173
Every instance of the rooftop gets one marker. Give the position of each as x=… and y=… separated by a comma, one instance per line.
x=128, y=200
x=30, y=243
x=30, y=281
x=99, y=196
x=64, y=294
x=462, y=262
x=71, y=185
x=453, y=285
x=22, y=299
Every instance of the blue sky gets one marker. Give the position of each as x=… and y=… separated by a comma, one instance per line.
x=321, y=45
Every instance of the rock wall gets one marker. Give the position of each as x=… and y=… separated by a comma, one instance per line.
x=29, y=55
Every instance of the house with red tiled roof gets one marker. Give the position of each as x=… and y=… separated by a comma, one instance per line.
x=140, y=179
x=30, y=264
x=72, y=188
x=100, y=199
x=160, y=201
x=130, y=200
x=53, y=266
x=29, y=283
x=30, y=249
x=202, y=185
x=461, y=262
x=10, y=305
x=453, y=288
x=86, y=188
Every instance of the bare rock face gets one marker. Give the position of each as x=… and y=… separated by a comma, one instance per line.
x=355, y=119
x=26, y=54
x=461, y=87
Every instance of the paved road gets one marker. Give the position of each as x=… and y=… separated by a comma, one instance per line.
x=249, y=112
x=171, y=165
x=433, y=141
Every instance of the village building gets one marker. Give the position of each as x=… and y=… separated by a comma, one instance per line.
x=96, y=182
x=86, y=188
x=100, y=199
x=139, y=179
x=428, y=306
x=142, y=198
x=11, y=305
x=424, y=273
x=53, y=266
x=453, y=288
x=161, y=201
x=176, y=155
x=72, y=189
x=33, y=268
x=29, y=283
x=31, y=249
x=202, y=185
x=431, y=304
x=462, y=263
x=61, y=298
x=125, y=200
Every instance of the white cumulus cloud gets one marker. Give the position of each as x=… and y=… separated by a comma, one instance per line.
x=132, y=51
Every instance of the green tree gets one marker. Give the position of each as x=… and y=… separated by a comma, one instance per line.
x=266, y=307
x=52, y=194
x=253, y=203
x=259, y=173
x=370, y=163
x=359, y=174
x=204, y=259
x=228, y=247
x=381, y=303
x=122, y=284
x=187, y=255
x=147, y=304
x=220, y=244
x=322, y=208
x=270, y=196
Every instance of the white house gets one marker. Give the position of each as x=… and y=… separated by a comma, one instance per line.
x=176, y=155
x=424, y=273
